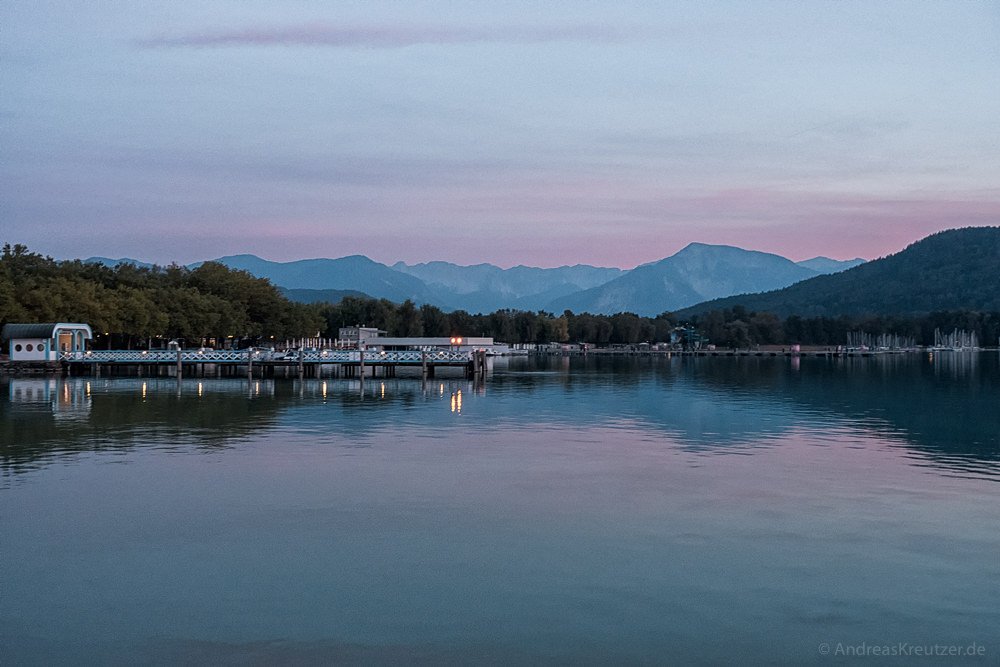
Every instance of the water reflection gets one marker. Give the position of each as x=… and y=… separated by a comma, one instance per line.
x=941, y=408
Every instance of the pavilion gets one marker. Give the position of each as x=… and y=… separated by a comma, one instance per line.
x=44, y=342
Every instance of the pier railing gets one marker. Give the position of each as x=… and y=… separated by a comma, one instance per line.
x=407, y=357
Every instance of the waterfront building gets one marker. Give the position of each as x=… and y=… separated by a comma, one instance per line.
x=44, y=342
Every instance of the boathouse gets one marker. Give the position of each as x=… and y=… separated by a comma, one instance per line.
x=44, y=342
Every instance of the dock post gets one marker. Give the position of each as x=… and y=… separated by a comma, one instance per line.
x=302, y=369
x=361, y=364
x=180, y=370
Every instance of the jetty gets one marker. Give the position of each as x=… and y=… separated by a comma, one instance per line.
x=204, y=362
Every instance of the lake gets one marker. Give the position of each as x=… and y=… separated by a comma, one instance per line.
x=569, y=510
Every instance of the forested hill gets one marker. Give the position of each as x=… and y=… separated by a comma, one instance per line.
x=958, y=269
x=137, y=303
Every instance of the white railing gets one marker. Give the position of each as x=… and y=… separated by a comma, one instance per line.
x=408, y=357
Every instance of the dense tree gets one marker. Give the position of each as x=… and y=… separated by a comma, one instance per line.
x=435, y=321
x=135, y=304
x=409, y=320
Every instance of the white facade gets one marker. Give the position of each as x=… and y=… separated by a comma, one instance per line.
x=30, y=349
x=358, y=333
x=457, y=343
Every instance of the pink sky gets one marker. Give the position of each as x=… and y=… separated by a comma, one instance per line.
x=509, y=133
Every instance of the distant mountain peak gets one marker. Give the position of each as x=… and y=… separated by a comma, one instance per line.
x=685, y=278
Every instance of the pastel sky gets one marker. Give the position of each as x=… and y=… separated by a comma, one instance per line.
x=542, y=133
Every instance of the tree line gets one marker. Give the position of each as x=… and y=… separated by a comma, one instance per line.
x=506, y=325
x=129, y=306
x=737, y=327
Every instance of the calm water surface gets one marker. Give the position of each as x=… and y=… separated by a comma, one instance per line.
x=569, y=511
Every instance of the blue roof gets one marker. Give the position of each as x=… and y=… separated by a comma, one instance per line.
x=43, y=330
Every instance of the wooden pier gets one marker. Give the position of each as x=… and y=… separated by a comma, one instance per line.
x=251, y=363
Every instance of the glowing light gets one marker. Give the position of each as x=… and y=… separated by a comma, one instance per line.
x=256, y=388
x=144, y=391
x=199, y=390
x=382, y=393
x=88, y=389
x=324, y=391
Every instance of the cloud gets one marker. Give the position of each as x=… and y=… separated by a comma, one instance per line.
x=392, y=37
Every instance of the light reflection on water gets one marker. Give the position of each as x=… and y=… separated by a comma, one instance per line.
x=683, y=510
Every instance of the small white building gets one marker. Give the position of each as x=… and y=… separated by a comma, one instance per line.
x=456, y=343
x=44, y=342
x=351, y=336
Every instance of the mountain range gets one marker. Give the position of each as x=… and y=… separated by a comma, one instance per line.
x=486, y=288
x=696, y=273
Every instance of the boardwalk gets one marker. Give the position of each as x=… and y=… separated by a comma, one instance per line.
x=349, y=363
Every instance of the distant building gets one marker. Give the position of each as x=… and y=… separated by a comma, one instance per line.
x=351, y=336
x=371, y=338
x=44, y=342
x=457, y=343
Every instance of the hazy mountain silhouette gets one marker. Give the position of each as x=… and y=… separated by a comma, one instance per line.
x=486, y=288
x=694, y=274
x=355, y=272
x=107, y=261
